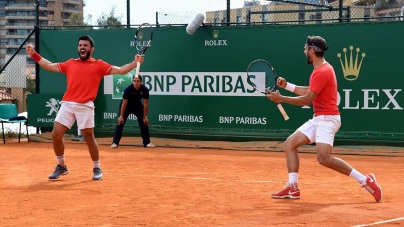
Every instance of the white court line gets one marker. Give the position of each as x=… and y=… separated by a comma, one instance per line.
x=206, y=178
x=200, y=178
x=219, y=179
x=380, y=222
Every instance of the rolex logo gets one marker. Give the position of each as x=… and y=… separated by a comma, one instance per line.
x=350, y=67
x=215, y=34
x=215, y=41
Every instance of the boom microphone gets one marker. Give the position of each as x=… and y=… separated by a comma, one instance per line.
x=195, y=23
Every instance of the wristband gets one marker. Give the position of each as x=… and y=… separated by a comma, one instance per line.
x=36, y=57
x=290, y=87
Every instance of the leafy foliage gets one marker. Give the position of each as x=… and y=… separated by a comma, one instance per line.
x=77, y=19
x=109, y=21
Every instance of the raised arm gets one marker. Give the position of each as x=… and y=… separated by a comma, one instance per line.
x=44, y=63
x=305, y=95
x=128, y=67
x=302, y=100
x=299, y=90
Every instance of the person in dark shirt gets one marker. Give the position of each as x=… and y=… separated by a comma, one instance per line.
x=79, y=136
x=131, y=103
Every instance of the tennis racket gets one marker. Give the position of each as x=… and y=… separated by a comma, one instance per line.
x=261, y=76
x=143, y=38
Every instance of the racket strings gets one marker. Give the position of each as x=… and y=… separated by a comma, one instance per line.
x=262, y=76
x=143, y=37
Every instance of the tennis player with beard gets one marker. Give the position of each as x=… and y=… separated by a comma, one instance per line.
x=322, y=93
x=83, y=77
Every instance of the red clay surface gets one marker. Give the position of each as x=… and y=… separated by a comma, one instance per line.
x=169, y=186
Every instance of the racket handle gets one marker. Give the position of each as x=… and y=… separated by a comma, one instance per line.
x=137, y=69
x=283, y=112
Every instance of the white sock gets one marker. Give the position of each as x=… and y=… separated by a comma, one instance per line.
x=96, y=164
x=61, y=160
x=79, y=132
x=293, y=178
x=357, y=176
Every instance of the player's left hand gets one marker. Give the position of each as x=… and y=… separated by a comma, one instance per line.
x=146, y=121
x=281, y=82
x=274, y=96
x=139, y=58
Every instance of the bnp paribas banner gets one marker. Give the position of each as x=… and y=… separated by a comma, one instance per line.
x=198, y=82
x=187, y=97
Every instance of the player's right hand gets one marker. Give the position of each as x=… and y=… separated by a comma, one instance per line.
x=139, y=58
x=120, y=120
x=281, y=82
x=30, y=49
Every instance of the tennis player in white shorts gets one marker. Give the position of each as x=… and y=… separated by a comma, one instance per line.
x=321, y=129
x=322, y=92
x=83, y=77
x=69, y=112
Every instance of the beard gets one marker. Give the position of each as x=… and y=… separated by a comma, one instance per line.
x=86, y=57
x=309, y=61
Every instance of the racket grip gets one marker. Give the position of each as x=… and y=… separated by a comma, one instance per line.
x=280, y=107
x=137, y=69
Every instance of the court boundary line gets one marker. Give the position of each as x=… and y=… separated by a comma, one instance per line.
x=380, y=222
x=219, y=179
x=203, y=178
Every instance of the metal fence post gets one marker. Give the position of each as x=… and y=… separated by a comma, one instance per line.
x=36, y=29
x=228, y=13
x=128, y=13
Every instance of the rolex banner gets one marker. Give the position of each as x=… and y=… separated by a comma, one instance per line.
x=198, y=83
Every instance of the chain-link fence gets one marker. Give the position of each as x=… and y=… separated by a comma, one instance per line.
x=105, y=13
x=18, y=19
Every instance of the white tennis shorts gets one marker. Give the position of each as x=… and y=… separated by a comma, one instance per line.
x=71, y=111
x=321, y=129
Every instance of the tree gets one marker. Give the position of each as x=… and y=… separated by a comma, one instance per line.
x=31, y=85
x=76, y=19
x=388, y=4
x=109, y=21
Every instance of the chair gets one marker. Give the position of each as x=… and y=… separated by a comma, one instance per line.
x=8, y=114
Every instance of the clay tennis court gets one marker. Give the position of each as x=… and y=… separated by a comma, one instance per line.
x=191, y=183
